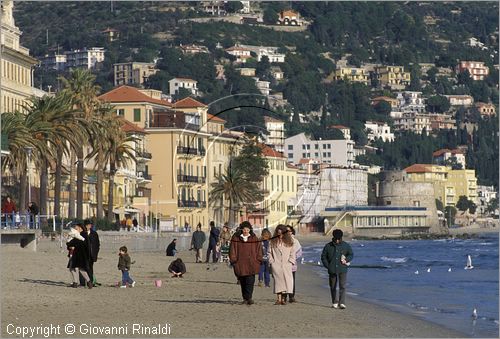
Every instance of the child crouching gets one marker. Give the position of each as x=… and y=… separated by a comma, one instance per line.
x=124, y=266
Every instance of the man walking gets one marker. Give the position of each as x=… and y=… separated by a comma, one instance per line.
x=93, y=245
x=197, y=242
x=336, y=257
x=213, y=240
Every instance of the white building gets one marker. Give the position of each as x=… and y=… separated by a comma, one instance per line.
x=460, y=100
x=335, y=152
x=56, y=62
x=484, y=195
x=276, y=133
x=270, y=51
x=410, y=101
x=441, y=157
x=346, y=131
x=262, y=86
x=177, y=83
x=85, y=58
x=377, y=129
x=411, y=121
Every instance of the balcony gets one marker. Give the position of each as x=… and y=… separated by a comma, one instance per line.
x=190, y=151
x=143, y=154
x=191, y=204
x=190, y=179
x=144, y=176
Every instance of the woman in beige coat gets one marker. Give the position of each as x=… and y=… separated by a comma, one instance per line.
x=281, y=258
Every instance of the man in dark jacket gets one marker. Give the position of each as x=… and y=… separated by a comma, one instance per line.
x=336, y=257
x=93, y=245
x=212, y=242
x=197, y=242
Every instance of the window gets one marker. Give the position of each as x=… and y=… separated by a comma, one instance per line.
x=329, y=146
x=316, y=146
x=120, y=112
x=290, y=155
x=303, y=146
x=308, y=146
x=324, y=146
x=290, y=147
x=316, y=154
x=303, y=155
x=137, y=114
x=329, y=155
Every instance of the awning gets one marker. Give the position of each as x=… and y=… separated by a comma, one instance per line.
x=123, y=210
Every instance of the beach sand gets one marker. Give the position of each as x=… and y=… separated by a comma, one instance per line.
x=205, y=303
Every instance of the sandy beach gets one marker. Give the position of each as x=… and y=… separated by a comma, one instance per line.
x=205, y=303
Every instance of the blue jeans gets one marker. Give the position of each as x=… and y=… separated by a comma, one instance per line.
x=264, y=273
x=126, y=278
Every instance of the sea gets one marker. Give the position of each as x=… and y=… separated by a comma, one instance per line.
x=426, y=278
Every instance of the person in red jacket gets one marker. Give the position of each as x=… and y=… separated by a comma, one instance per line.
x=8, y=210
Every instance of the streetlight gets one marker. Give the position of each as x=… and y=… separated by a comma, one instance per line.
x=29, y=151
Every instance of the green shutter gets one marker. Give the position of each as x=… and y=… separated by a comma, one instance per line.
x=137, y=114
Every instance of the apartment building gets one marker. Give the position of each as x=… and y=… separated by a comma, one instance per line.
x=275, y=133
x=262, y=86
x=410, y=101
x=56, y=62
x=241, y=53
x=477, y=69
x=393, y=77
x=412, y=121
x=352, y=74
x=270, y=52
x=133, y=73
x=442, y=121
x=460, y=100
x=87, y=58
x=377, y=129
x=176, y=84
x=442, y=156
x=335, y=152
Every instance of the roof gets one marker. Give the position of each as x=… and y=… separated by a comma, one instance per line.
x=291, y=166
x=418, y=168
x=213, y=118
x=305, y=161
x=271, y=119
x=384, y=98
x=269, y=152
x=183, y=79
x=130, y=94
x=339, y=127
x=237, y=48
x=442, y=151
x=288, y=12
x=483, y=104
x=129, y=127
x=109, y=30
x=188, y=103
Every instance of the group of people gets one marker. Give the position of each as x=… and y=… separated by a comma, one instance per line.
x=217, y=240
x=11, y=216
x=83, y=249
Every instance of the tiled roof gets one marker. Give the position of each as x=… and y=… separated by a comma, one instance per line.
x=339, y=127
x=237, y=48
x=214, y=118
x=305, y=161
x=183, y=79
x=442, y=151
x=269, y=152
x=129, y=127
x=271, y=119
x=129, y=94
x=418, y=168
x=289, y=13
x=188, y=103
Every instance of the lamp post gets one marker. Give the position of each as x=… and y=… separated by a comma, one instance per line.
x=29, y=151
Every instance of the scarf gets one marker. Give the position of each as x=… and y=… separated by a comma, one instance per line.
x=245, y=239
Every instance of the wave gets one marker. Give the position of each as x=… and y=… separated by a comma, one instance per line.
x=395, y=260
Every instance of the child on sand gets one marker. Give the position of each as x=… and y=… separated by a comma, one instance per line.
x=124, y=266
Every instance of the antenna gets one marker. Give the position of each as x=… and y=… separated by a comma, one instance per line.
x=47, y=37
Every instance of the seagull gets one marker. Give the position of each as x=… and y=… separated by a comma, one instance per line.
x=429, y=270
x=474, y=314
x=416, y=272
x=449, y=269
x=302, y=261
x=469, y=263
x=319, y=263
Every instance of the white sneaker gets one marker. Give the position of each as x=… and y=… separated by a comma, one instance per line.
x=342, y=306
x=123, y=286
x=133, y=284
x=335, y=305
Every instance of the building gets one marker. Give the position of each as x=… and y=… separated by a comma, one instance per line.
x=276, y=100
x=393, y=77
x=271, y=52
x=391, y=101
x=477, y=69
x=215, y=8
x=449, y=184
x=246, y=7
x=377, y=129
x=352, y=74
x=442, y=121
x=486, y=110
x=133, y=73
x=289, y=18
x=277, y=73
x=193, y=49
x=241, y=53
x=176, y=84
x=111, y=34
x=279, y=189
x=412, y=121
x=485, y=194
x=473, y=42
x=346, y=131
x=88, y=58
x=17, y=66
x=460, y=100
x=262, y=86
x=247, y=71
x=56, y=62
x=410, y=101
x=334, y=152
x=275, y=136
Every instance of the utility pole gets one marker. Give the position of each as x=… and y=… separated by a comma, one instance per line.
x=47, y=37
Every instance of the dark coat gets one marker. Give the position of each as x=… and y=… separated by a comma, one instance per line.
x=124, y=262
x=80, y=257
x=245, y=257
x=214, y=237
x=93, y=244
x=177, y=266
x=330, y=257
x=170, y=249
x=198, y=239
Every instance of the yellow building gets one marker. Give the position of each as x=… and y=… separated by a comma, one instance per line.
x=449, y=184
x=352, y=74
x=394, y=77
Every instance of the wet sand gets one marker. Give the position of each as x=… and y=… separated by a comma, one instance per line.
x=205, y=303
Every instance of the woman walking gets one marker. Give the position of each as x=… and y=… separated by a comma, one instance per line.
x=264, y=275
x=297, y=248
x=245, y=254
x=282, y=258
x=79, y=260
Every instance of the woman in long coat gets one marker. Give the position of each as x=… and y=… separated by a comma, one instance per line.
x=245, y=254
x=79, y=261
x=282, y=258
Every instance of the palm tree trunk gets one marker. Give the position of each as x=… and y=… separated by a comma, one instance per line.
x=71, y=194
x=79, y=184
x=98, y=187
x=44, y=173
x=57, y=184
x=232, y=218
x=111, y=192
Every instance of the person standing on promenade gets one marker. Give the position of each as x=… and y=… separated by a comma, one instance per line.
x=93, y=245
x=213, y=240
x=124, y=262
x=197, y=241
x=225, y=236
x=297, y=248
x=281, y=259
x=135, y=223
x=245, y=254
x=33, y=211
x=264, y=275
x=336, y=257
x=128, y=223
x=79, y=261
x=8, y=210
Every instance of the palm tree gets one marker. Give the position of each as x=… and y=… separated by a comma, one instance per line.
x=83, y=91
x=235, y=188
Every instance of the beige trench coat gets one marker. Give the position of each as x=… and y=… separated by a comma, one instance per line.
x=281, y=259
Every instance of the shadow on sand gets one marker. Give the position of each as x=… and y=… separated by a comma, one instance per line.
x=202, y=301
x=44, y=282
